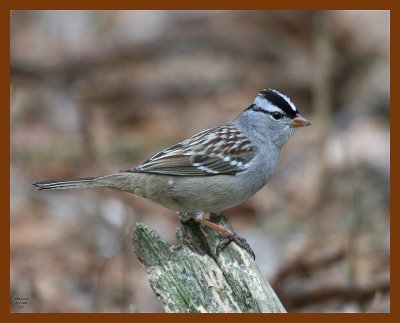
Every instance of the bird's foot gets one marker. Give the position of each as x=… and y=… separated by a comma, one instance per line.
x=241, y=242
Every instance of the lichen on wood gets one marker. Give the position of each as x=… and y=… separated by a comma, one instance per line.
x=190, y=277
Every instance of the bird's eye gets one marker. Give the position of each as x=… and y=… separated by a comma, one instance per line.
x=276, y=115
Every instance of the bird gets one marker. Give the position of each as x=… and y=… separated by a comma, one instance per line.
x=211, y=171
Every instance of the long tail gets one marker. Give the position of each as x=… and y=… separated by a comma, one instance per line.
x=66, y=184
x=120, y=181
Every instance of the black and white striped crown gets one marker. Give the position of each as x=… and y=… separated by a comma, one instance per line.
x=277, y=99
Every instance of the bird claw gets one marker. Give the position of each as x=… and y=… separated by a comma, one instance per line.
x=241, y=242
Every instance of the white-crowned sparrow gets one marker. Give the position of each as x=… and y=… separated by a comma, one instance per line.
x=213, y=170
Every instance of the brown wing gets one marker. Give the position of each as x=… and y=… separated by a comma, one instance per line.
x=220, y=150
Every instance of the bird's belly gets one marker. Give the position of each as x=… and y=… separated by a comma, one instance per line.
x=207, y=194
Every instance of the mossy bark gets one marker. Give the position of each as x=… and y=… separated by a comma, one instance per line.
x=190, y=277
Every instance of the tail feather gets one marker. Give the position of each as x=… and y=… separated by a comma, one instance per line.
x=89, y=182
x=119, y=181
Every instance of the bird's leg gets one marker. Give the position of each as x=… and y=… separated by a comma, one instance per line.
x=229, y=237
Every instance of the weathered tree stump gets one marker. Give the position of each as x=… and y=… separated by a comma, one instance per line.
x=190, y=278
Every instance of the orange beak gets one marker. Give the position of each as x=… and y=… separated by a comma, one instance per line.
x=299, y=121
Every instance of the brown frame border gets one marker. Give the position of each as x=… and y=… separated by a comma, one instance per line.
x=393, y=6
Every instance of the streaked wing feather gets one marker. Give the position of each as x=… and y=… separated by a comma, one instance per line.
x=204, y=154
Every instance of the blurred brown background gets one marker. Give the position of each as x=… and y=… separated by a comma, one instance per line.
x=93, y=92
